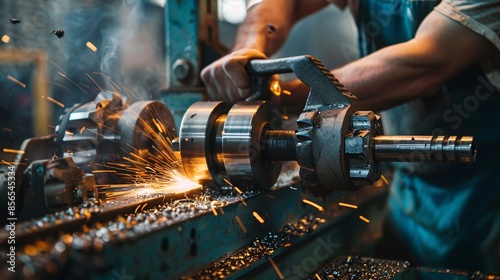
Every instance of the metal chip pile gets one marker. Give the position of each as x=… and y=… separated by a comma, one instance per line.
x=259, y=249
x=351, y=268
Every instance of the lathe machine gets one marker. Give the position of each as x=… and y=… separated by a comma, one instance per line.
x=118, y=192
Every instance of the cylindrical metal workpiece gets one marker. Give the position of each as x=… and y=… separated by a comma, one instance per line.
x=402, y=148
x=200, y=141
x=279, y=145
x=242, y=141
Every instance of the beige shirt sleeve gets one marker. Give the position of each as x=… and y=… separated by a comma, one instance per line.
x=482, y=17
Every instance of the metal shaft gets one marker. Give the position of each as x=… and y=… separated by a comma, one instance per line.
x=402, y=148
x=280, y=145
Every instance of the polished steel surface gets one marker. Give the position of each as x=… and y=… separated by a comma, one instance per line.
x=244, y=129
x=404, y=148
x=363, y=168
x=200, y=141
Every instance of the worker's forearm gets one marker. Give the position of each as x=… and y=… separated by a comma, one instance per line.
x=414, y=69
x=268, y=24
x=417, y=68
x=391, y=76
x=381, y=80
x=264, y=28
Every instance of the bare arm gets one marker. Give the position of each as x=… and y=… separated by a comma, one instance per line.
x=264, y=30
x=417, y=68
x=268, y=24
x=411, y=70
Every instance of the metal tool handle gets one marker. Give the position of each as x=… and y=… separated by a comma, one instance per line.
x=307, y=68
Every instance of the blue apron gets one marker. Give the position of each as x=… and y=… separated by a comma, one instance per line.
x=448, y=214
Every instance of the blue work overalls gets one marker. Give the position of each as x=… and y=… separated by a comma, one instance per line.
x=447, y=214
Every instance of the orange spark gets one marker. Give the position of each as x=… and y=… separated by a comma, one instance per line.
x=6, y=129
x=319, y=207
x=158, y=125
x=136, y=209
x=242, y=226
x=16, y=81
x=280, y=275
x=214, y=211
x=55, y=101
x=286, y=92
x=287, y=245
x=384, y=180
x=227, y=181
x=348, y=205
x=258, y=217
x=159, y=172
x=275, y=88
x=133, y=169
x=381, y=182
x=91, y=46
x=238, y=190
x=6, y=39
x=317, y=276
x=144, y=206
x=103, y=171
x=7, y=150
x=117, y=164
x=364, y=219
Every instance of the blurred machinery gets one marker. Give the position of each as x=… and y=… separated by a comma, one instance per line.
x=94, y=200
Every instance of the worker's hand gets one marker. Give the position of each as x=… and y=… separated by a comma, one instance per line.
x=226, y=79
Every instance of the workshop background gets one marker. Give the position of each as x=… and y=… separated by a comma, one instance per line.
x=102, y=94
